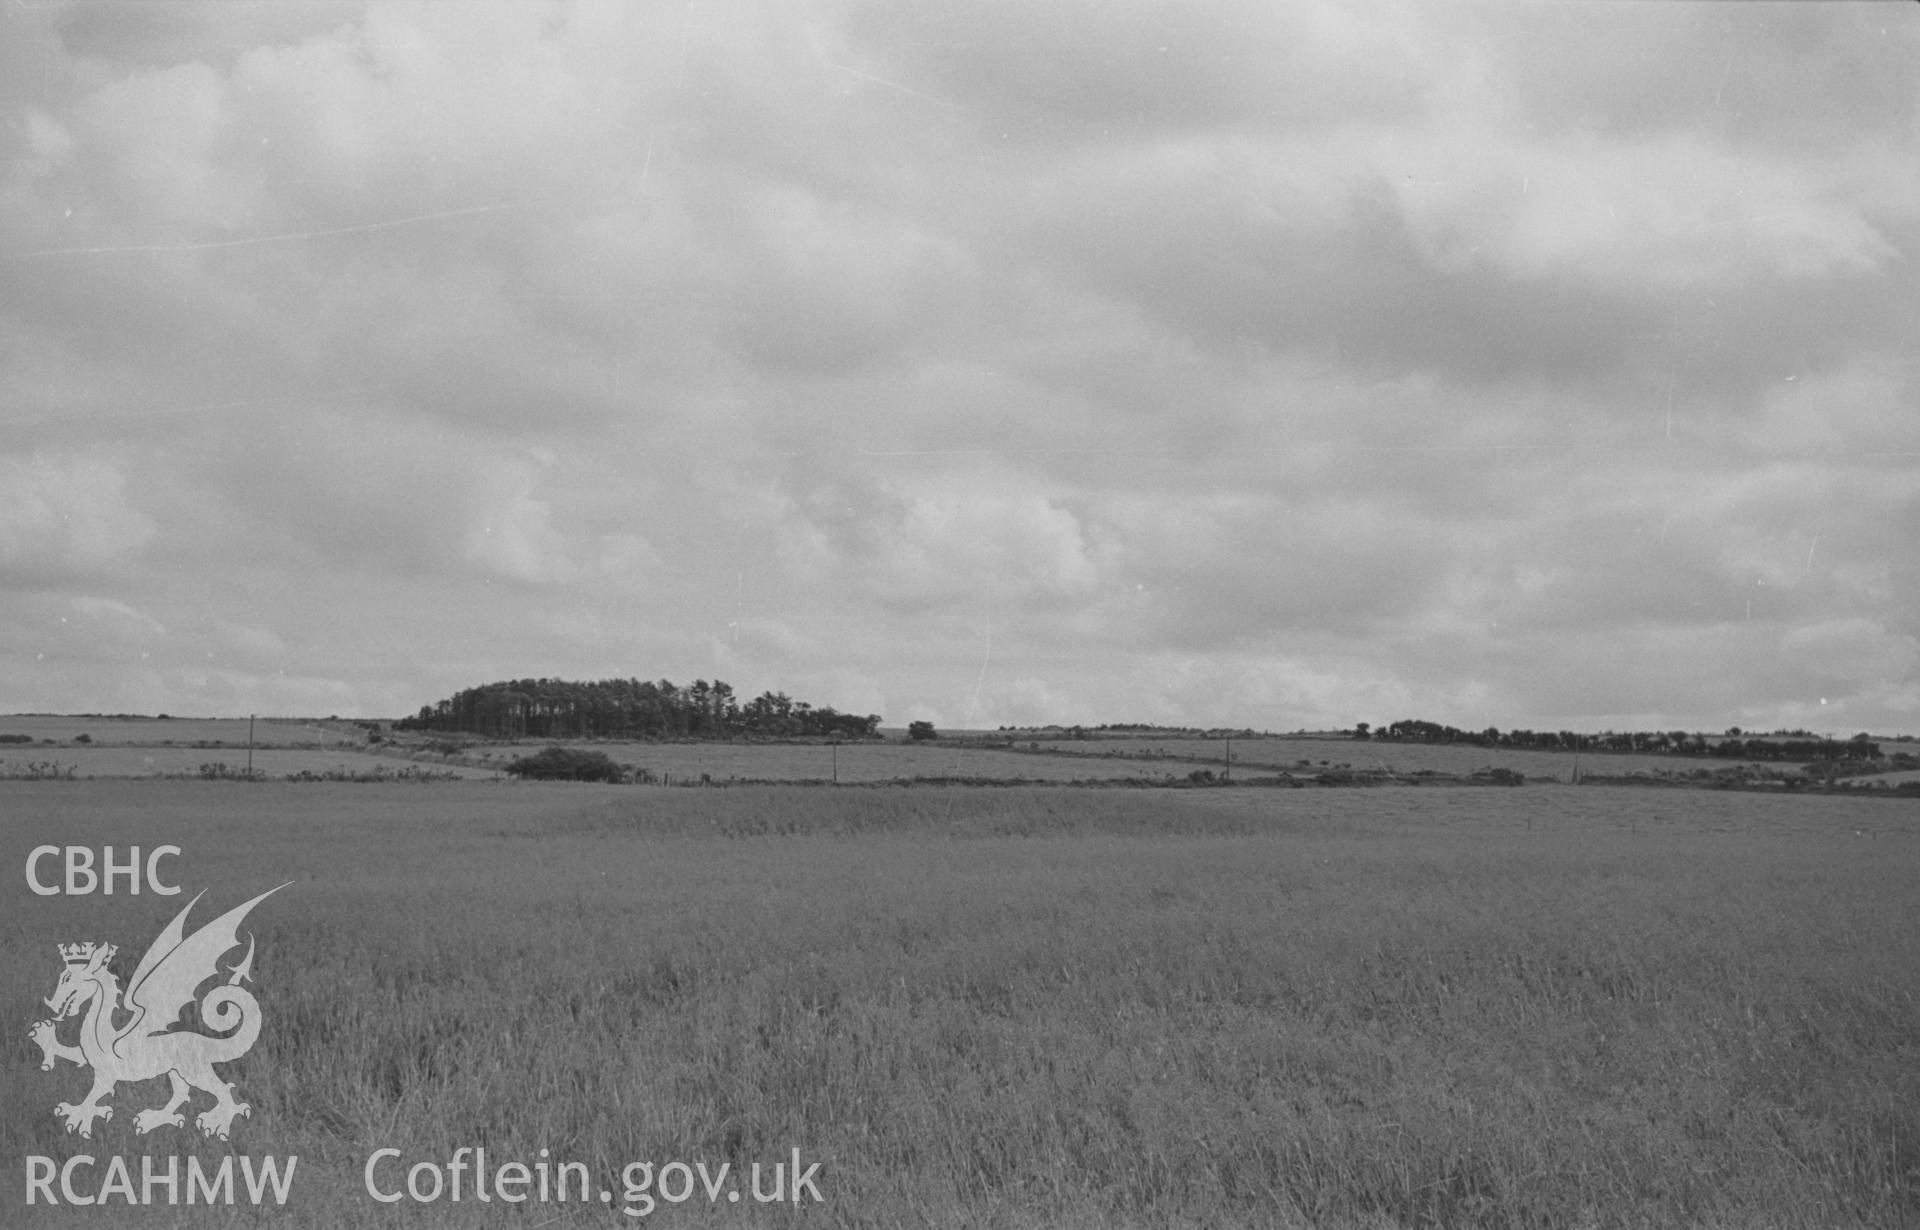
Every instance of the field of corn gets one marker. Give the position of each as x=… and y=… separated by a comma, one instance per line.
x=1029, y=1006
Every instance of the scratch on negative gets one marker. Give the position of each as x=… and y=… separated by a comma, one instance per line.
x=264, y=239
x=1161, y=452
x=892, y=85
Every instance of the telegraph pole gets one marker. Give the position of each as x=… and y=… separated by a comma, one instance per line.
x=249, y=747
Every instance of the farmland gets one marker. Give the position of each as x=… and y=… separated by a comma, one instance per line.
x=1039, y=1006
x=1271, y=753
x=875, y=762
x=99, y=761
x=108, y=747
x=180, y=732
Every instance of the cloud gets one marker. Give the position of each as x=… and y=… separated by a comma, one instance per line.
x=951, y=543
x=511, y=533
x=65, y=514
x=1052, y=72
x=1246, y=363
x=1841, y=655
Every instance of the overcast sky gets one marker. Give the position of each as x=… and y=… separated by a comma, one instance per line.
x=1218, y=362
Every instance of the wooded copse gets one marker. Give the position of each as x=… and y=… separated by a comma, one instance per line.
x=632, y=709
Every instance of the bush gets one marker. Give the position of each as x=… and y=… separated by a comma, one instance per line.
x=921, y=730
x=568, y=764
x=220, y=771
x=379, y=773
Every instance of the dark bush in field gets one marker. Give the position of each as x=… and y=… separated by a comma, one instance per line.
x=568, y=764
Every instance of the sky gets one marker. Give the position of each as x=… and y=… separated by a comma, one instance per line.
x=1220, y=363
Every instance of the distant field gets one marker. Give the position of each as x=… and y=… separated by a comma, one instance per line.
x=1289, y=753
x=858, y=762
x=106, y=760
x=152, y=731
x=150, y=747
x=1888, y=779
x=1069, y=760
x=1039, y=1006
x=144, y=741
x=959, y=754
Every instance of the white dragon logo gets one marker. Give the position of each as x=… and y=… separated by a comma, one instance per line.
x=145, y=1045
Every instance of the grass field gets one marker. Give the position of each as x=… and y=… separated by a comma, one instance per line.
x=1304, y=755
x=868, y=762
x=182, y=732
x=98, y=761
x=146, y=747
x=1036, y=1006
x=149, y=747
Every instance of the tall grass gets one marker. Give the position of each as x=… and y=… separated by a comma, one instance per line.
x=1054, y=1007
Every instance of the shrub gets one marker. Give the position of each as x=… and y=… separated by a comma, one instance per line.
x=83, y=737
x=568, y=764
x=921, y=730
x=379, y=773
x=221, y=771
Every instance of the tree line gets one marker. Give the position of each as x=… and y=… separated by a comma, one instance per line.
x=632, y=709
x=1796, y=745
